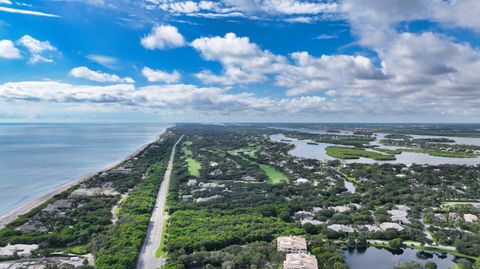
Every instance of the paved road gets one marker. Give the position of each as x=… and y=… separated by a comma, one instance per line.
x=147, y=258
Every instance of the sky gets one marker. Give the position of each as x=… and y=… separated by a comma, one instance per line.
x=240, y=60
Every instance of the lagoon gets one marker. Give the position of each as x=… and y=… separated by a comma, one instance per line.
x=379, y=258
x=304, y=150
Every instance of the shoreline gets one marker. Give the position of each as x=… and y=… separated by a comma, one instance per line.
x=22, y=210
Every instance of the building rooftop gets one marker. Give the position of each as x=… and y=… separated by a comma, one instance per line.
x=300, y=261
x=470, y=218
x=291, y=244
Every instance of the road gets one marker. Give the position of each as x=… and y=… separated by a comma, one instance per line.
x=147, y=258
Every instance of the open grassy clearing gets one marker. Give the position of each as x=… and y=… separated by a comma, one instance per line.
x=249, y=151
x=350, y=178
x=356, y=153
x=274, y=175
x=193, y=167
x=192, y=164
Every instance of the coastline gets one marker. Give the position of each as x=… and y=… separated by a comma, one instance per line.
x=22, y=210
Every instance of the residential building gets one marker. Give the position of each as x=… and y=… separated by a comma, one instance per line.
x=292, y=244
x=300, y=261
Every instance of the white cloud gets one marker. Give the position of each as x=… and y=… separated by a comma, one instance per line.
x=8, y=50
x=177, y=98
x=26, y=12
x=163, y=37
x=37, y=48
x=374, y=21
x=325, y=37
x=160, y=76
x=86, y=73
x=243, y=61
x=296, y=7
x=290, y=10
x=462, y=13
x=428, y=72
x=311, y=74
x=7, y=2
x=104, y=60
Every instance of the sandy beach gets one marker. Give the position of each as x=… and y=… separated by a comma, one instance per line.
x=6, y=219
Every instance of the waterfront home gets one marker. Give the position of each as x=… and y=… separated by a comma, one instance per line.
x=300, y=261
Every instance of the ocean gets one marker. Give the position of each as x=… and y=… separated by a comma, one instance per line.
x=37, y=158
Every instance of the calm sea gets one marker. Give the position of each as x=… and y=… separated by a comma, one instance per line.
x=36, y=158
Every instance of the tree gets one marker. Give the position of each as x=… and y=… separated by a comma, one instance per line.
x=396, y=243
x=430, y=265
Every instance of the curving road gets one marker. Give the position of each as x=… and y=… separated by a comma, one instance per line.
x=148, y=258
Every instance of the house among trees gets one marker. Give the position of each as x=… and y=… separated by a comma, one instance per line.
x=297, y=256
x=470, y=218
x=291, y=244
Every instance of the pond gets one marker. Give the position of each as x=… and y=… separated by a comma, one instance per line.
x=380, y=258
x=310, y=151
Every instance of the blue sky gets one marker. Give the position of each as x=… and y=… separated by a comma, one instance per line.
x=243, y=60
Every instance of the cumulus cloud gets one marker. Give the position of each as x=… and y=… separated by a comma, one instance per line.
x=290, y=10
x=98, y=76
x=163, y=37
x=242, y=60
x=177, y=97
x=8, y=50
x=160, y=76
x=427, y=71
x=328, y=72
x=296, y=7
x=374, y=21
x=37, y=49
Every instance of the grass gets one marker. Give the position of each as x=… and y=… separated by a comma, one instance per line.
x=160, y=251
x=274, y=175
x=192, y=164
x=356, y=153
x=193, y=167
x=250, y=152
x=349, y=178
x=389, y=151
x=187, y=152
x=79, y=250
x=441, y=153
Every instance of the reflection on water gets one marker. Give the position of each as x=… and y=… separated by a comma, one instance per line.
x=379, y=258
x=309, y=151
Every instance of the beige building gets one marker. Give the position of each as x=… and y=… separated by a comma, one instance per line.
x=470, y=218
x=292, y=244
x=300, y=261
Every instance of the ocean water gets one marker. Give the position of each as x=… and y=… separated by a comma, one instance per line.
x=36, y=158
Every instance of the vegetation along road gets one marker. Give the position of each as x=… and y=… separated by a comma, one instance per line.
x=148, y=258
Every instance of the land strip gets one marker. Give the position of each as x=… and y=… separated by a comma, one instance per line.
x=148, y=255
